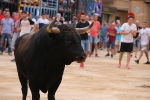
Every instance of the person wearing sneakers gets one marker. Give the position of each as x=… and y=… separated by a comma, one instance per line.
x=111, y=38
x=94, y=32
x=84, y=36
x=128, y=30
x=7, y=29
x=144, y=43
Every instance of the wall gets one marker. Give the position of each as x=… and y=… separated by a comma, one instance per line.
x=138, y=7
x=121, y=14
x=141, y=11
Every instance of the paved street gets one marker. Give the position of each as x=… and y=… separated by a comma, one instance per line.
x=99, y=80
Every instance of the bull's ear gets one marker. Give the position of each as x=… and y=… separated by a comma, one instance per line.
x=85, y=29
x=52, y=29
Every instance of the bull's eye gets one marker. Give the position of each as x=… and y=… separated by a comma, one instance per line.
x=68, y=41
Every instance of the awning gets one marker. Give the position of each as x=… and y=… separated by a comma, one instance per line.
x=109, y=10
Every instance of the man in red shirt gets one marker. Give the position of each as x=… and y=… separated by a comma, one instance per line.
x=94, y=32
x=1, y=17
x=111, y=38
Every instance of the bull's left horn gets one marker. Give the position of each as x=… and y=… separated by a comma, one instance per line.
x=52, y=29
x=83, y=30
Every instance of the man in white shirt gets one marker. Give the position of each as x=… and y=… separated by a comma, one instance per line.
x=128, y=30
x=144, y=34
x=42, y=21
x=25, y=24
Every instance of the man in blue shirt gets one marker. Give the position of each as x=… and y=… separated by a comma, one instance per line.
x=118, y=37
x=7, y=28
x=103, y=36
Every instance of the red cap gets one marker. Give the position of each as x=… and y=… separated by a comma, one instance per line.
x=130, y=15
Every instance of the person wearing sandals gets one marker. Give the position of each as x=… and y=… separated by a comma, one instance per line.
x=128, y=30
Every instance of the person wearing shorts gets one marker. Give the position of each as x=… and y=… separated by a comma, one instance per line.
x=94, y=32
x=136, y=43
x=144, y=34
x=112, y=37
x=118, y=38
x=85, y=43
x=128, y=30
x=103, y=36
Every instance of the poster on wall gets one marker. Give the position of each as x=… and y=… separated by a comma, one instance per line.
x=90, y=6
x=98, y=8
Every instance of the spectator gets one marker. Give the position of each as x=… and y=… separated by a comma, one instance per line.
x=84, y=36
x=118, y=38
x=1, y=14
x=31, y=17
x=42, y=22
x=58, y=18
x=143, y=34
x=94, y=32
x=75, y=21
x=128, y=30
x=103, y=37
x=25, y=24
x=49, y=18
x=7, y=28
x=111, y=38
x=1, y=17
x=14, y=14
x=16, y=33
x=90, y=21
x=72, y=21
x=136, y=43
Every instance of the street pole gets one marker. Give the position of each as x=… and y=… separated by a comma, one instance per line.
x=41, y=1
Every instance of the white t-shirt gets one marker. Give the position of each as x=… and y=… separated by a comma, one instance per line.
x=26, y=26
x=144, y=36
x=126, y=28
x=148, y=30
x=41, y=22
x=34, y=20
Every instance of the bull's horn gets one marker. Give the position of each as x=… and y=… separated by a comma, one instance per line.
x=52, y=29
x=83, y=30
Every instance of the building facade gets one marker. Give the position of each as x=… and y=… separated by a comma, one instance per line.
x=139, y=7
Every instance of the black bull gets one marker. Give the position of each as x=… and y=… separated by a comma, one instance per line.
x=41, y=59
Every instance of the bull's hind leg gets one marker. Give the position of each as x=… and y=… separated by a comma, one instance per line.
x=34, y=89
x=24, y=87
x=51, y=91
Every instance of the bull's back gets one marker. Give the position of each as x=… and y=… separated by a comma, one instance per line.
x=20, y=47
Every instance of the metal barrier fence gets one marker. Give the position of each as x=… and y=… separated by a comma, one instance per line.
x=46, y=6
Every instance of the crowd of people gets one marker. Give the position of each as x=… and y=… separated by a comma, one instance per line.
x=116, y=38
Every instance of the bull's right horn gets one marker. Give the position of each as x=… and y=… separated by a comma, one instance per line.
x=52, y=29
x=83, y=30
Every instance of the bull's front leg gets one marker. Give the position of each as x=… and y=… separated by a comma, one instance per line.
x=34, y=89
x=52, y=91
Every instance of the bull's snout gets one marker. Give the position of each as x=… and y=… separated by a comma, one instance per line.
x=81, y=59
